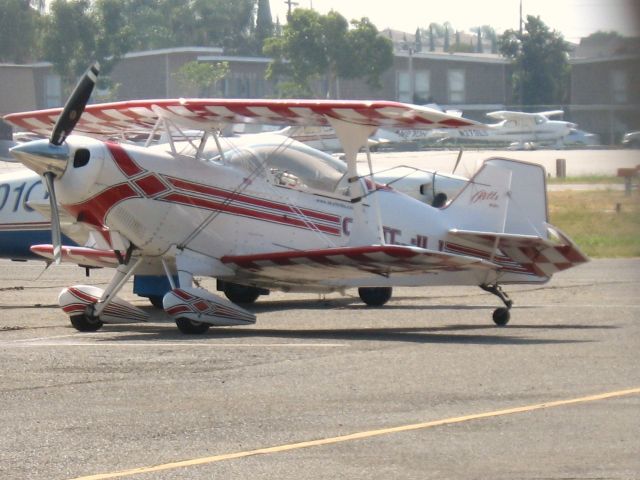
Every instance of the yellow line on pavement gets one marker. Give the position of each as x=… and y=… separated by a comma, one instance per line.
x=358, y=435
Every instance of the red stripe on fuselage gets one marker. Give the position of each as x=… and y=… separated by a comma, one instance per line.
x=95, y=209
x=229, y=196
x=124, y=162
x=246, y=212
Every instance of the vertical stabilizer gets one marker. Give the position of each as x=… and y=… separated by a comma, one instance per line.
x=505, y=196
x=483, y=202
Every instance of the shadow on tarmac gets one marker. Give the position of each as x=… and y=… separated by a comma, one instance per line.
x=449, y=334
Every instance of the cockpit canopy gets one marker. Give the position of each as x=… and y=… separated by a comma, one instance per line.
x=294, y=165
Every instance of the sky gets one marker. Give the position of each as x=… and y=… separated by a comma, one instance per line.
x=573, y=18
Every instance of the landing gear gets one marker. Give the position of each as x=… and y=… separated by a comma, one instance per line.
x=86, y=323
x=375, y=296
x=241, y=293
x=191, y=327
x=156, y=301
x=501, y=315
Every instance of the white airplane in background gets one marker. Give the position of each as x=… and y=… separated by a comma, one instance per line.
x=272, y=213
x=521, y=129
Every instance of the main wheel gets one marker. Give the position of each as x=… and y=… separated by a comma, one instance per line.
x=156, y=301
x=84, y=323
x=501, y=316
x=375, y=296
x=191, y=327
x=240, y=293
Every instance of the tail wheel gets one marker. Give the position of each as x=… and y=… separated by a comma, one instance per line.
x=191, y=327
x=84, y=323
x=375, y=296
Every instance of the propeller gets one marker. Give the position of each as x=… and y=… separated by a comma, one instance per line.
x=75, y=105
x=51, y=158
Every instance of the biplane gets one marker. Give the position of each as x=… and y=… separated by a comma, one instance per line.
x=264, y=212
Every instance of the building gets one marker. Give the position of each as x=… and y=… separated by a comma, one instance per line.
x=472, y=82
x=605, y=94
x=605, y=90
x=153, y=74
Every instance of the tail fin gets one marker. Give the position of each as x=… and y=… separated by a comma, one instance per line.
x=504, y=196
x=501, y=216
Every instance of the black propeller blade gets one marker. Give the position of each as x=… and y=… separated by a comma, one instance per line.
x=75, y=105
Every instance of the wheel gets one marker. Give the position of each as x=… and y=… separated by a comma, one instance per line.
x=501, y=316
x=240, y=293
x=84, y=323
x=191, y=327
x=375, y=296
x=156, y=301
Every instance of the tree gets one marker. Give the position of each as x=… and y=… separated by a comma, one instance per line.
x=541, y=60
x=202, y=77
x=418, y=40
x=68, y=39
x=432, y=40
x=264, y=24
x=446, y=39
x=17, y=31
x=77, y=33
x=315, y=46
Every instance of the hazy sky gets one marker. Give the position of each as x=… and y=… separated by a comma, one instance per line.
x=573, y=18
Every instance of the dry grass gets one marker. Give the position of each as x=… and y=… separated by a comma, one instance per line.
x=602, y=223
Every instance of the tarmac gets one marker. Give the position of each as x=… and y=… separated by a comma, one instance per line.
x=324, y=387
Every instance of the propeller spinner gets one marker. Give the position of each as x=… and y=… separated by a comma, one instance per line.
x=51, y=158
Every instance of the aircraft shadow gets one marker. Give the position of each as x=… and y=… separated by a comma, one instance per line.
x=449, y=334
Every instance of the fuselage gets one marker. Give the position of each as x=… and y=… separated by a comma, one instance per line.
x=257, y=197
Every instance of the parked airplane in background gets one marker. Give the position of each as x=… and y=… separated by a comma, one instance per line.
x=272, y=213
x=522, y=129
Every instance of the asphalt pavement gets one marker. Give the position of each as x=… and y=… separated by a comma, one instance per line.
x=325, y=388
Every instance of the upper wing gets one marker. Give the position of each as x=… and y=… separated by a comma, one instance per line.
x=334, y=265
x=110, y=119
x=509, y=115
x=551, y=113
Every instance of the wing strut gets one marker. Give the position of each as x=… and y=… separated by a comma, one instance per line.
x=353, y=137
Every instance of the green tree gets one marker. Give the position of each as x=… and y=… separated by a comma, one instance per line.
x=18, y=24
x=264, y=24
x=202, y=77
x=77, y=33
x=68, y=39
x=314, y=47
x=541, y=60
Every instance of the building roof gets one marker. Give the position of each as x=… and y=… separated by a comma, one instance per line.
x=169, y=51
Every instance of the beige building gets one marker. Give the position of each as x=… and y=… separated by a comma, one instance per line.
x=605, y=91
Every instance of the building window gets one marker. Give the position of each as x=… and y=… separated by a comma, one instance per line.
x=52, y=91
x=619, y=86
x=456, y=86
x=404, y=87
x=421, y=87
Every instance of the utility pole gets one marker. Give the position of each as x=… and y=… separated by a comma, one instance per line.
x=290, y=4
x=520, y=18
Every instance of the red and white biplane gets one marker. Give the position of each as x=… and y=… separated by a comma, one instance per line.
x=267, y=212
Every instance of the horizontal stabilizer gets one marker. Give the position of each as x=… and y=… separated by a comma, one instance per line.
x=518, y=254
